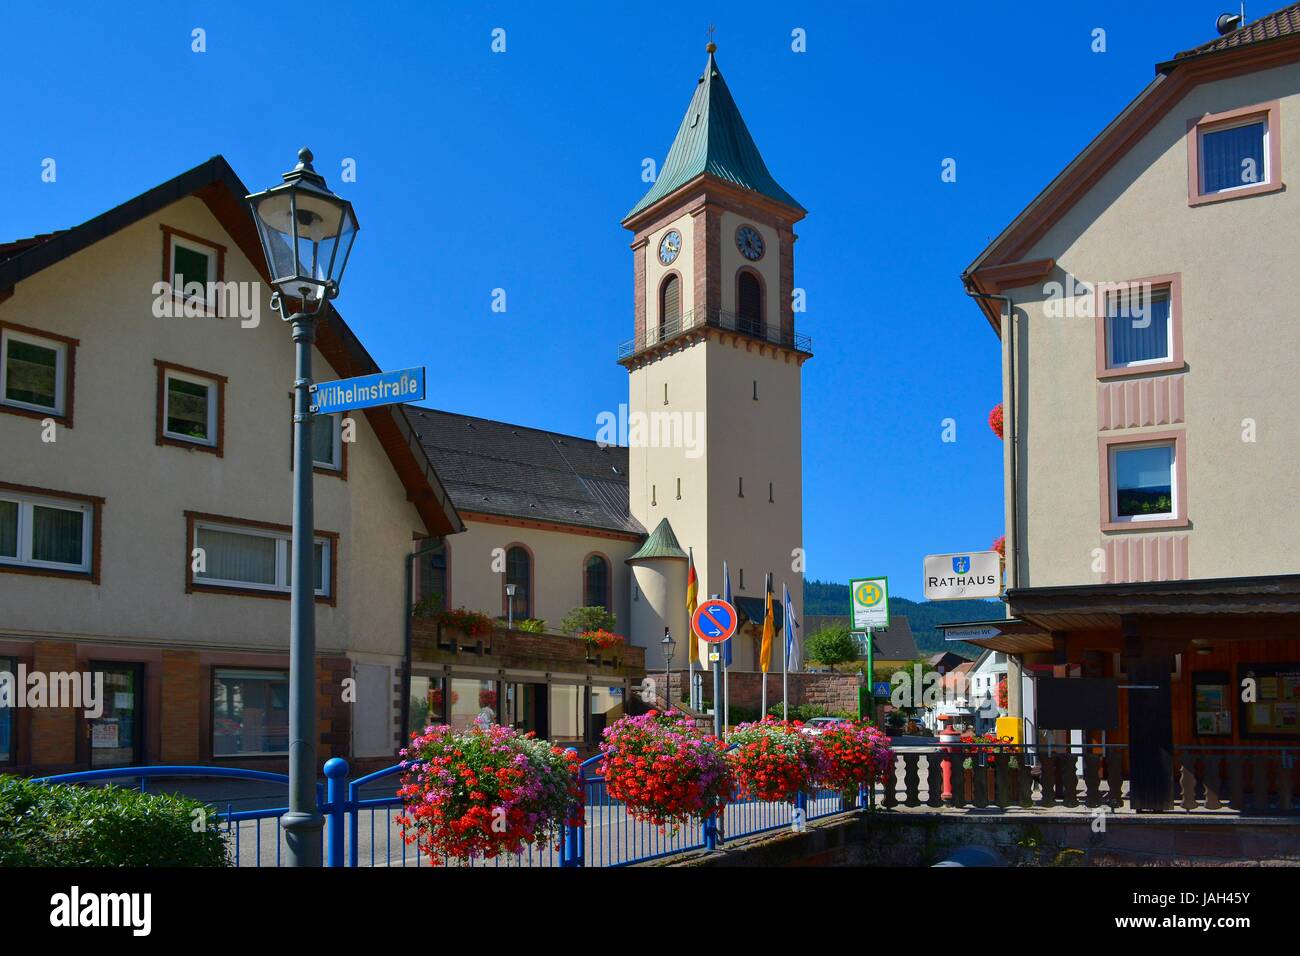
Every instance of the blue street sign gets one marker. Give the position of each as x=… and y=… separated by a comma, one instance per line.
x=367, y=391
x=714, y=621
x=880, y=688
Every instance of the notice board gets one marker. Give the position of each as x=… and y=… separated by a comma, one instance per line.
x=1077, y=703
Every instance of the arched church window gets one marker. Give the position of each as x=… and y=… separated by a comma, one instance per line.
x=670, y=306
x=519, y=572
x=749, y=303
x=595, y=582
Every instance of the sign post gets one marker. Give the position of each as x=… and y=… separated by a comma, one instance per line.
x=715, y=622
x=868, y=610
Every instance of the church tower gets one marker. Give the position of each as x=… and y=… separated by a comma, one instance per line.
x=714, y=367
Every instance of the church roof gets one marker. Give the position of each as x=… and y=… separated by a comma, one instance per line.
x=662, y=543
x=713, y=139
x=513, y=471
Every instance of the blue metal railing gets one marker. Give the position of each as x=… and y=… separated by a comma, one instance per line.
x=608, y=837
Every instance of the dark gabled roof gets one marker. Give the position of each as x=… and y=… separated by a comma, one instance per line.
x=1275, y=25
x=517, y=472
x=713, y=139
x=894, y=643
x=217, y=185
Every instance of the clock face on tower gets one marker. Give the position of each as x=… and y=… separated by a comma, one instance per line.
x=750, y=243
x=669, y=246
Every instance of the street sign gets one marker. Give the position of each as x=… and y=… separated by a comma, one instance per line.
x=714, y=621
x=977, y=633
x=869, y=603
x=880, y=688
x=971, y=574
x=367, y=391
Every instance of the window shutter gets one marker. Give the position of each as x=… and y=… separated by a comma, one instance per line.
x=749, y=299
x=670, y=308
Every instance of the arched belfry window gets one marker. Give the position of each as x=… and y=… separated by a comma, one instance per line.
x=519, y=572
x=670, y=306
x=749, y=303
x=595, y=582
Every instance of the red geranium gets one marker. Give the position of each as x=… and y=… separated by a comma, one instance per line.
x=601, y=638
x=773, y=760
x=857, y=754
x=664, y=769
x=995, y=419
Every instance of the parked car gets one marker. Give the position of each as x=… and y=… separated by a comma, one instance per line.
x=819, y=725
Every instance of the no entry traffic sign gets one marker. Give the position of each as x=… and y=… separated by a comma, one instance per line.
x=714, y=621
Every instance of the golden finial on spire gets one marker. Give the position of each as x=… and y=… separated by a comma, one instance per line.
x=711, y=47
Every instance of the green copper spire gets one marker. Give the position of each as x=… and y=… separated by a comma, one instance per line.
x=713, y=139
x=662, y=543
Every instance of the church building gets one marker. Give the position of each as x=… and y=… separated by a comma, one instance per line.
x=713, y=461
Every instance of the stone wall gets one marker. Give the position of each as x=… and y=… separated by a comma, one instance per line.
x=835, y=692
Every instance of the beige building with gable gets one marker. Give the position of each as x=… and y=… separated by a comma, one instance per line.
x=1145, y=302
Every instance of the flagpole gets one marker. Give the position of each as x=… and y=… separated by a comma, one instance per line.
x=785, y=677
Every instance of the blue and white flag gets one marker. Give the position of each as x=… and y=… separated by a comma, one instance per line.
x=792, y=649
x=726, y=596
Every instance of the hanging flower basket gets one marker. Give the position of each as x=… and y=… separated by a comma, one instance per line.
x=772, y=760
x=995, y=419
x=664, y=769
x=485, y=791
x=856, y=754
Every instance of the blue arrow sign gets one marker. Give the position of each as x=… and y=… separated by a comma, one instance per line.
x=367, y=391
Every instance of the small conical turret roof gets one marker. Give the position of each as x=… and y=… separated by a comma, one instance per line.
x=713, y=139
x=662, y=543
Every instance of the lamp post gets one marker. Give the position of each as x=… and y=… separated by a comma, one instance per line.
x=668, y=645
x=510, y=605
x=307, y=234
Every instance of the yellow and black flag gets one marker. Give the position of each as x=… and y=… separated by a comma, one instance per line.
x=765, y=649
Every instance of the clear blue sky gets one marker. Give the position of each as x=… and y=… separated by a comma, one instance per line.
x=479, y=170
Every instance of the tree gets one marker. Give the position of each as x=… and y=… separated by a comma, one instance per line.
x=833, y=645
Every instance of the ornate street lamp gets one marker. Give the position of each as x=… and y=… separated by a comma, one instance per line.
x=307, y=234
x=510, y=605
x=668, y=645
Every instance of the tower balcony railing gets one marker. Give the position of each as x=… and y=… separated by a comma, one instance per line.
x=676, y=326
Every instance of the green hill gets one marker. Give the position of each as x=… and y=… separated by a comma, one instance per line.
x=825, y=597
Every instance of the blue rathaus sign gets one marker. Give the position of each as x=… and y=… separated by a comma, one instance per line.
x=367, y=391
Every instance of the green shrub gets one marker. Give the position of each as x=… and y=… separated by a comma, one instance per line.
x=806, y=712
x=587, y=619
x=74, y=825
x=531, y=625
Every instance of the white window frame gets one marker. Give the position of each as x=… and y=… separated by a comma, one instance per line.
x=282, y=539
x=1113, y=303
x=208, y=253
x=1114, y=451
x=60, y=371
x=337, y=438
x=26, y=523
x=213, y=387
x=1267, y=171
